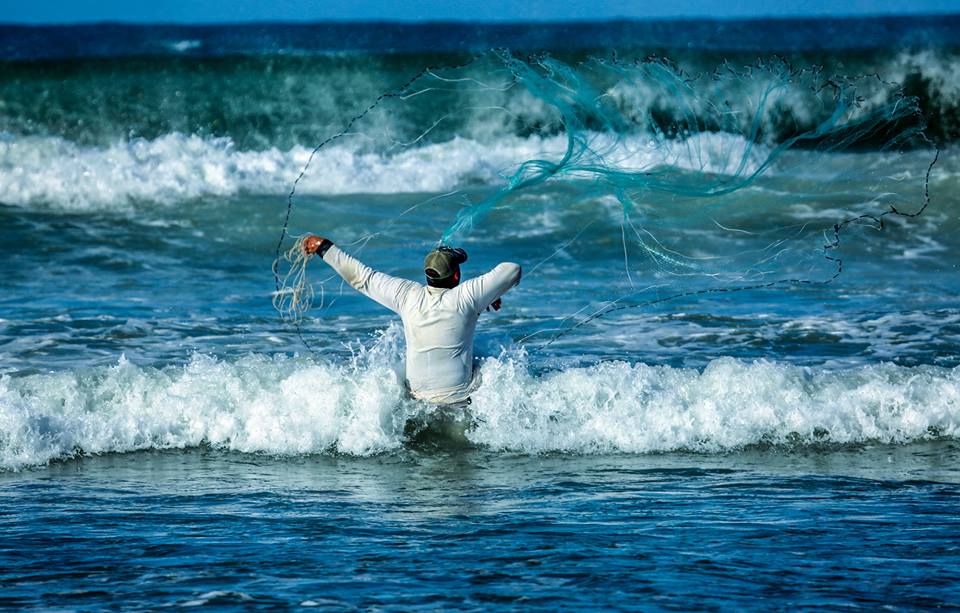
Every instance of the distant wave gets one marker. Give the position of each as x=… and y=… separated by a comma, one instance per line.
x=54, y=172
x=286, y=101
x=287, y=407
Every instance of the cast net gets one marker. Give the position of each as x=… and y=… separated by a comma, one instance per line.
x=702, y=180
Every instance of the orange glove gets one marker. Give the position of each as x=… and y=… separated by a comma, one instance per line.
x=312, y=244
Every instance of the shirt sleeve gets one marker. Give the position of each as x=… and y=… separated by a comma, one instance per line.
x=483, y=290
x=388, y=291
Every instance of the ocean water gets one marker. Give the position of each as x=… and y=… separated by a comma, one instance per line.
x=729, y=379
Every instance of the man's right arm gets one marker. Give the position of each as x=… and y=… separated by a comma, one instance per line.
x=388, y=291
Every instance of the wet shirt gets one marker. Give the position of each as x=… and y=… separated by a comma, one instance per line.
x=438, y=323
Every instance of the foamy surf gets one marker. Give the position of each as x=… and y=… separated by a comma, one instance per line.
x=58, y=173
x=291, y=407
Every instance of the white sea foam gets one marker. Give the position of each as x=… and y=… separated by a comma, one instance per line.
x=182, y=46
x=59, y=173
x=619, y=407
x=290, y=407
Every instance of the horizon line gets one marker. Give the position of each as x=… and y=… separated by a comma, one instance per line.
x=490, y=22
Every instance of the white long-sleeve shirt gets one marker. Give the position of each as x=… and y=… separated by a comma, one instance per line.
x=438, y=323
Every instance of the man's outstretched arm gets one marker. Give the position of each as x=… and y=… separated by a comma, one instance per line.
x=485, y=291
x=388, y=291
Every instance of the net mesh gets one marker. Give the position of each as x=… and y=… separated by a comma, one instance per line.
x=720, y=179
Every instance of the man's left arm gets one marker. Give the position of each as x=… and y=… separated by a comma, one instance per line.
x=485, y=291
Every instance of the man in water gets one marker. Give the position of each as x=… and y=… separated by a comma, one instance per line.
x=439, y=319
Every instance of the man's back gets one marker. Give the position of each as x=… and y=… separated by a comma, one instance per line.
x=438, y=323
x=439, y=326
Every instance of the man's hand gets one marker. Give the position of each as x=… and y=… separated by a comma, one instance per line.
x=312, y=243
x=495, y=305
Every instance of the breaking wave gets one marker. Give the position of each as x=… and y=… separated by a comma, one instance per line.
x=54, y=172
x=291, y=407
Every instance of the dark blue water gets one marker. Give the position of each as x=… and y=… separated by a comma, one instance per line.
x=438, y=529
x=809, y=34
x=688, y=402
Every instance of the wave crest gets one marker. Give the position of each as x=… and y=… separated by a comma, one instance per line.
x=636, y=408
x=51, y=171
x=290, y=407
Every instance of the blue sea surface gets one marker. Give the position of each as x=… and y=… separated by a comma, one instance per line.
x=729, y=378
x=441, y=529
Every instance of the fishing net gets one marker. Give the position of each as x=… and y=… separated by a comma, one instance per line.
x=703, y=180
x=294, y=295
